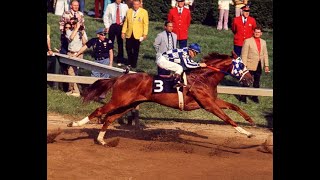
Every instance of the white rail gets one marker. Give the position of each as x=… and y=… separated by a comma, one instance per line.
x=221, y=89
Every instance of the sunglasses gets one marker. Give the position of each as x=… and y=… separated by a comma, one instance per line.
x=103, y=34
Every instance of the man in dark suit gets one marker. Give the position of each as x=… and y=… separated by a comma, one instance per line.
x=165, y=41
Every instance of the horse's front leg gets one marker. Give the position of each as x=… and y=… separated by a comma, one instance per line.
x=215, y=109
x=209, y=105
x=226, y=105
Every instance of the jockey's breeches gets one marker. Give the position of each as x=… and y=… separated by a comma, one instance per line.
x=163, y=63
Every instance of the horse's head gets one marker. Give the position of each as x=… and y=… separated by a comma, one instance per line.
x=232, y=66
x=240, y=72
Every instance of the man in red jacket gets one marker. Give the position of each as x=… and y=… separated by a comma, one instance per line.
x=181, y=18
x=242, y=28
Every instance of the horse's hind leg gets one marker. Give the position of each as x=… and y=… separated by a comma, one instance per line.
x=107, y=121
x=226, y=105
x=96, y=114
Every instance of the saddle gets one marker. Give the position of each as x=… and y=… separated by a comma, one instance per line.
x=166, y=83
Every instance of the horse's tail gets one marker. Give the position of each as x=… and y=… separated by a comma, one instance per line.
x=97, y=88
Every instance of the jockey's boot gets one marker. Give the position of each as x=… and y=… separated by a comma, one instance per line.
x=177, y=81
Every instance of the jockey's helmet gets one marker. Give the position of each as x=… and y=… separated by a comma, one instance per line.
x=196, y=47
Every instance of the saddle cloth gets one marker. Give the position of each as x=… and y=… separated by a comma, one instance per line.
x=163, y=84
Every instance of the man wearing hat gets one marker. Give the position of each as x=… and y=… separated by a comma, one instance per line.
x=238, y=5
x=181, y=19
x=102, y=51
x=242, y=28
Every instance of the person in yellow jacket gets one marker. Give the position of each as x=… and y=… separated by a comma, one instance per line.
x=135, y=30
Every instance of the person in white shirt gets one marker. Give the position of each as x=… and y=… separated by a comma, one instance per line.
x=77, y=37
x=113, y=21
x=223, y=7
x=61, y=6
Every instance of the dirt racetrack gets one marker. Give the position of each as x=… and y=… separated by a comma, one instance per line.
x=159, y=151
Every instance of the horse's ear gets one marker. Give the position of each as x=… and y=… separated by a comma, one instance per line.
x=234, y=55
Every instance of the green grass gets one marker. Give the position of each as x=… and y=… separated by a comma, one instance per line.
x=210, y=40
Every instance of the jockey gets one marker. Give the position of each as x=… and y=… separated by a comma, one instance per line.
x=179, y=59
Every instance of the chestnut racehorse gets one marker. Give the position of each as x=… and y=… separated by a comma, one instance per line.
x=129, y=90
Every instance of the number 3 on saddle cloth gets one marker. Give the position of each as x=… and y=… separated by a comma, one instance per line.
x=164, y=85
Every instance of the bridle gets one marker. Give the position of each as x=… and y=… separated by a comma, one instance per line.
x=238, y=69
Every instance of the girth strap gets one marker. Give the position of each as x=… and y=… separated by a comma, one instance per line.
x=180, y=94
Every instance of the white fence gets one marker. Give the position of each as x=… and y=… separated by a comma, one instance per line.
x=113, y=71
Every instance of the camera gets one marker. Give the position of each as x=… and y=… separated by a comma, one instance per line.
x=81, y=28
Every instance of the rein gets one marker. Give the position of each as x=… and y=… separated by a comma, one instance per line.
x=219, y=70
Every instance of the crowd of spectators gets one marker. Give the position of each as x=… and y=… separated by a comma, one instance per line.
x=128, y=21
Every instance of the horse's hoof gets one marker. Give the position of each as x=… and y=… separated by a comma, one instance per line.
x=101, y=143
x=69, y=125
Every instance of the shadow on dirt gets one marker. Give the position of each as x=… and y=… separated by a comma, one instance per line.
x=198, y=121
x=163, y=135
x=177, y=136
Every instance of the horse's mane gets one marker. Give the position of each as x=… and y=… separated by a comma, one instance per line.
x=214, y=56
